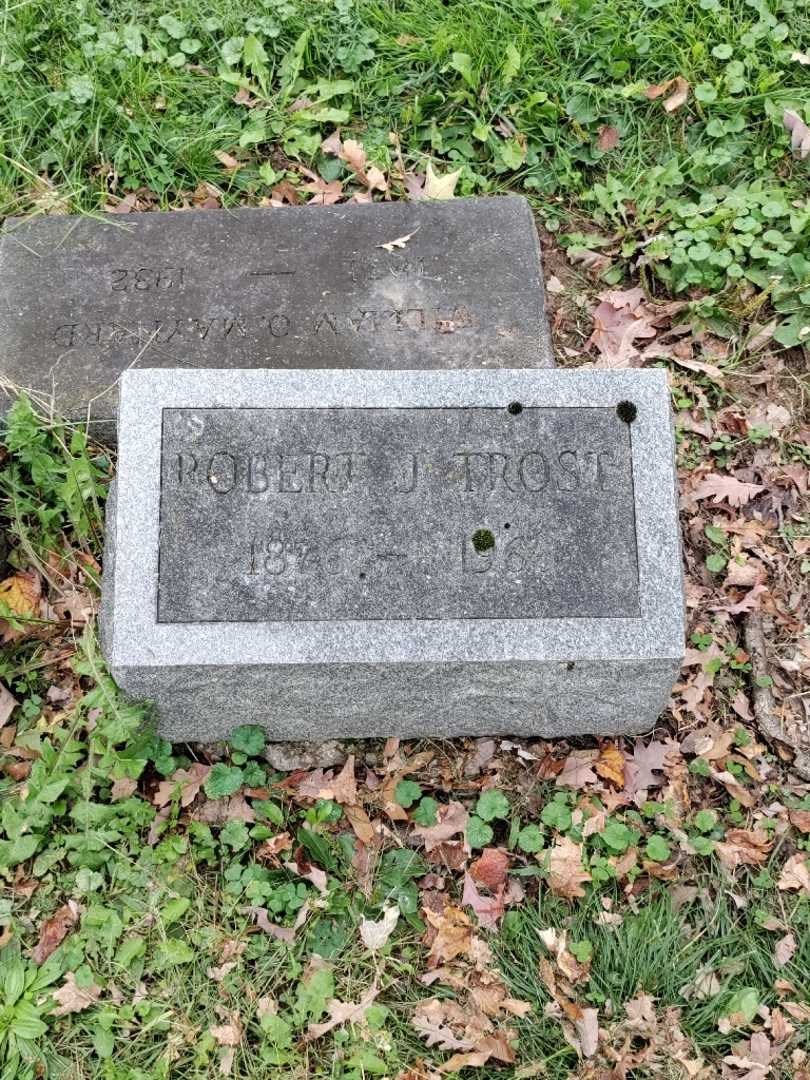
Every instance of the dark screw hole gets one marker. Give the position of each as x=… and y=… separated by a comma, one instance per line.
x=569, y=666
x=362, y=576
x=506, y=525
x=514, y=408
x=483, y=540
x=626, y=411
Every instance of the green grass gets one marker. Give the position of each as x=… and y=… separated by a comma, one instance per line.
x=102, y=99
x=92, y=91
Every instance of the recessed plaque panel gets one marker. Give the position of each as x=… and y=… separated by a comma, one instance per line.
x=396, y=513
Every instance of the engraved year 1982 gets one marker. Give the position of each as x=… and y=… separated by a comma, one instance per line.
x=147, y=278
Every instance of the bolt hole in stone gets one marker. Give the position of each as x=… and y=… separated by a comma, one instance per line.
x=514, y=408
x=483, y=540
x=362, y=576
x=569, y=666
x=626, y=411
x=506, y=525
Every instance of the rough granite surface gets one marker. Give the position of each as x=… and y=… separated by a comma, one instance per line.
x=83, y=299
x=537, y=644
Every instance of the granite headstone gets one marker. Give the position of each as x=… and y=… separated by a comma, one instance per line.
x=389, y=285
x=363, y=553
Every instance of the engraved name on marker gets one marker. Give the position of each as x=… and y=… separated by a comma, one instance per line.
x=422, y=513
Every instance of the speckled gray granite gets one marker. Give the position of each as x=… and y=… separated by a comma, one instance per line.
x=354, y=553
x=82, y=299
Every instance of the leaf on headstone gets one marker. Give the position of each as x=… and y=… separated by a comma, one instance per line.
x=400, y=242
x=72, y=998
x=375, y=934
x=566, y=874
x=54, y=930
x=799, y=133
x=440, y=187
x=719, y=487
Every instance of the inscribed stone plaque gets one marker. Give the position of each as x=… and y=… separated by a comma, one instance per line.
x=83, y=299
x=349, y=513
x=412, y=553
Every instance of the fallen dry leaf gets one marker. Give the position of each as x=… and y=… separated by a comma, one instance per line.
x=719, y=488
x=230, y=163
x=229, y=1034
x=54, y=930
x=452, y=822
x=577, y=771
x=73, y=998
x=783, y=950
x=608, y=138
x=440, y=187
x=375, y=934
x=19, y=595
x=618, y=321
x=799, y=133
x=343, y=1012
x=610, y=765
x=678, y=97
x=490, y=869
x=8, y=703
x=489, y=909
x=747, y=847
x=566, y=875
x=453, y=934
x=795, y=874
x=189, y=781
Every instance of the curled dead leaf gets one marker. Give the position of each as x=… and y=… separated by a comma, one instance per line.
x=72, y=998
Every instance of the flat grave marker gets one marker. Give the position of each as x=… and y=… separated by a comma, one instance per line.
x=83, y=299
x=365, y=553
